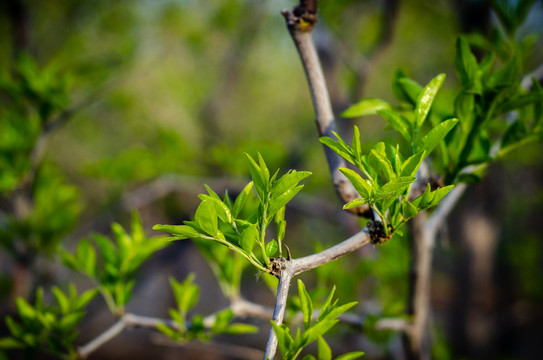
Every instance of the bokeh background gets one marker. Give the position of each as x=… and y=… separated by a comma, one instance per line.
x=159, y=97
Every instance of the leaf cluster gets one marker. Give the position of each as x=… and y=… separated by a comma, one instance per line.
x=491, y=106
x=52, y=327
x=186, y=296
x=291, y=347
x=120, y=259
x=221, y=220
x=54, y=212
x=388, y=178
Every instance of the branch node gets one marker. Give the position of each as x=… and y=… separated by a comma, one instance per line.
x=377, y=233
x=303, y=17
x=278, y=265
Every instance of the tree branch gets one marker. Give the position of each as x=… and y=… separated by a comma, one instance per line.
x=345, y=247
x=300, y=22
x=85, y=350
x=279, y=309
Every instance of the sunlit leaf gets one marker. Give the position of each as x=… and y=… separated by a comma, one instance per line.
x=307, y=305
x=436, y=135
x=426, y=98
x=365, y=107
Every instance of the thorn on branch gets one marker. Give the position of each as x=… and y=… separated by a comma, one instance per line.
x=303, y=17
x=377, y=233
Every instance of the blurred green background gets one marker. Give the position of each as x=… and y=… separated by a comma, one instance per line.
x=155, y=98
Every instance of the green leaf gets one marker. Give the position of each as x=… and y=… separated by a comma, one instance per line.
x=248, y=238
x=287, y=182
x=212, y=193
x=480, y=150
x=124, y=242
x=14, y=327
x=327, y=305
x=516, y=132
x=206, y=218
x=354, y=203
x=522, y=100
x=436, y=135
x=507, y=76
x=466, y=67
x=223, y=212
x=265, y=173
x=61, y=299
x=284, y=339
x=25, y=310
x=10, y=343
x=222, y=319
x=138, y=235
x=356, y=146
x=410, y=89
x=86, y=255
x=408, y=210
x=426, y=98
x=396, y=186
x=186, y=294
x=180, y=231
x=271, y=248
x=365, y=107
x=351, y=356
x=398, y=122
x=239, y=329
x=69, y=260
x=318, y=329
x=168, y=331
x=464, y=107
x=106, y=249
x=259, y=179
x=280, y=224
x=177, y=317
x=379, y=160
x=440, y=194
x=336, y=311
x=423, y=201
x=339, y=148
x=277, y=203
x=70, y=321
x=307, y=305
x=362, y=186
x=86, y=298
x=241, y=199
x=325, y=353
x=411, y=165
x=393, y=154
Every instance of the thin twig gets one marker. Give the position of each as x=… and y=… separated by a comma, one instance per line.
x=392, y=324
x=85, y=350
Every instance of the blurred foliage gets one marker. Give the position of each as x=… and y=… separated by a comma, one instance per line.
x=48, y=328
x=115, y=276
x=186, y=296
x=139, y=89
